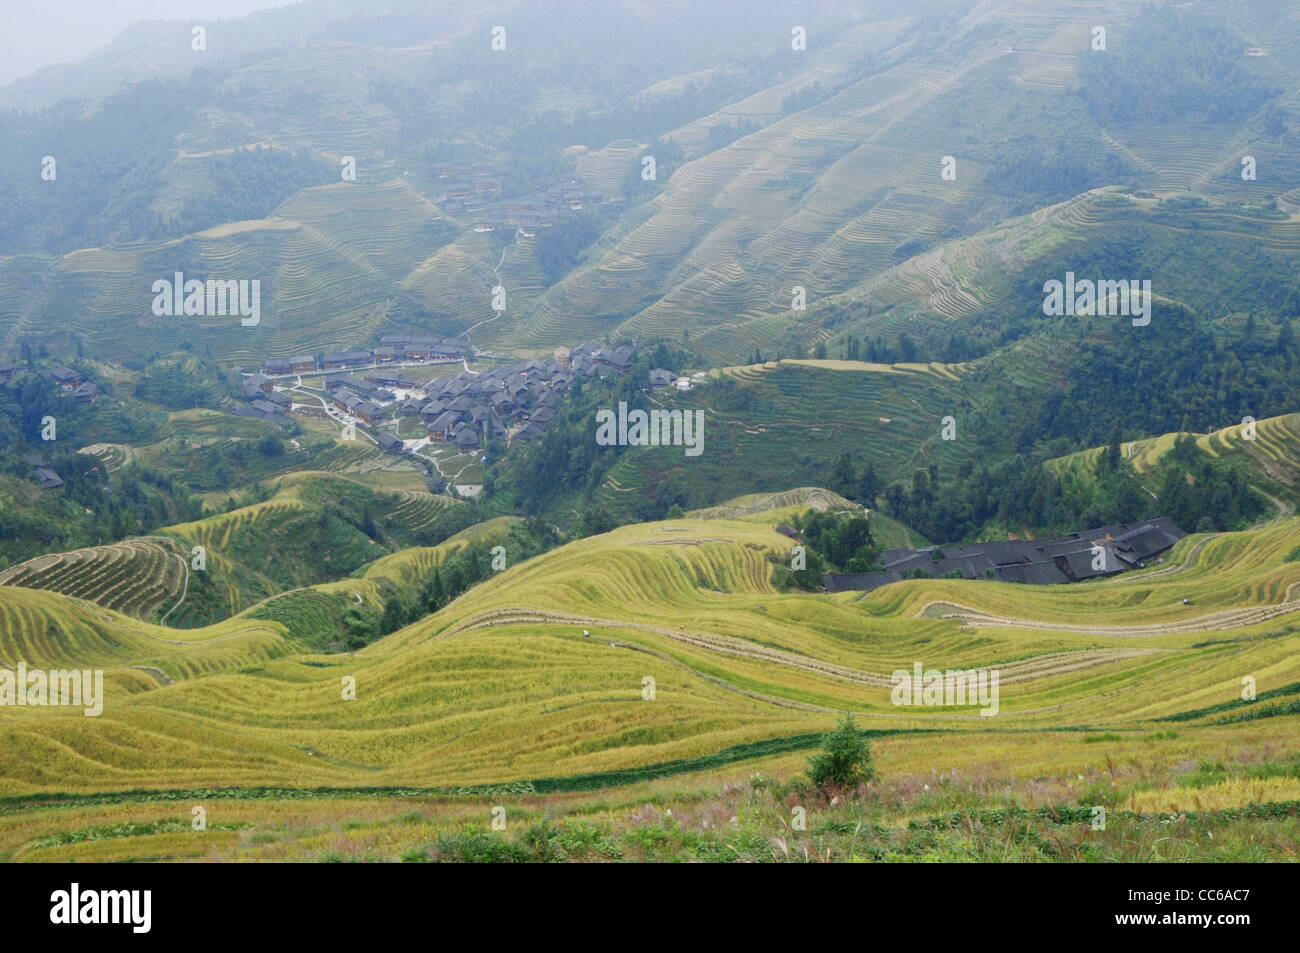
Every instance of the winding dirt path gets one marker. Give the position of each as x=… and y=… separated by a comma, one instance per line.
x=1215, y=621
x=1040, y=666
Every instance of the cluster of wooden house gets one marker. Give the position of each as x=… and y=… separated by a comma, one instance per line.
x=68, y=380
x=1086, y=554
x=474, y=191
x=514, y=402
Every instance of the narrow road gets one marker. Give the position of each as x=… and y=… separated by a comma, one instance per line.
x=184, y=591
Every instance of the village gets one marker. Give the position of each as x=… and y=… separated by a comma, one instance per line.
x=475, y=191
x=374, y=390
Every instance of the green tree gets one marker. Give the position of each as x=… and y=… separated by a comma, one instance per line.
x=842, y=477
x=845, y=758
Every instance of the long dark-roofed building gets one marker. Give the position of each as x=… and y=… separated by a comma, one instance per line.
x=1086, y=554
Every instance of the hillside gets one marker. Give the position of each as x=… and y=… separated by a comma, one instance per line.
x=820, y=171
x=1269, y=458
x=499, y=686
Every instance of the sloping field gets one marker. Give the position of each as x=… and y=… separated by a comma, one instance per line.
x=782, y=417
x=1270, y=458
x=538, y=672
x=136, y=576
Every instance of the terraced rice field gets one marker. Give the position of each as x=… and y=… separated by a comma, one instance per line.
x=797, y=412
x=538, y=673
x=496, y=686
x=137, y=576
x=1271, y=457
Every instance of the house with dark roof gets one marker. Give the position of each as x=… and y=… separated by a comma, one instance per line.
x=391, y=444
x=366, y=389
x=48, y=479
x=65, y=377
x=1041, y=573
x=467, y=439
x=278, y=365
x=661, y=378
x=7, y=371
x=1085, y=554
x=417, y=350
x=530, y=432
x=342, y=359
x=621, y=358
x=367, y=412
x=264, y=407
x=86, y=392
x=1138, y=545
x=443, y=426
x=302, y=364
